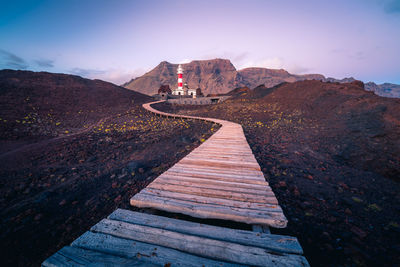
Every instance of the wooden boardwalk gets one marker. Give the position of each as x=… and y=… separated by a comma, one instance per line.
x=221, y=180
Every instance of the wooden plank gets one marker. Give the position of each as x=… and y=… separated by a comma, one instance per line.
x=210, y=151
x=221, y=146
x=254, y=175
x=225, y=176
x=213, y=152
x=182, y=178
x=224, y=187
x=268, y=198
x=74, y=256
x=211, y=163
x=217, y=177
x=278, y=243
x=134, y=249
x=220, y=158
x=208, y=211
x=200, y=246
x=219, y=155
x=212, y=200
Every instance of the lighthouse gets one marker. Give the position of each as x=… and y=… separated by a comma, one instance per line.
x=180, y=74
x=180, y=90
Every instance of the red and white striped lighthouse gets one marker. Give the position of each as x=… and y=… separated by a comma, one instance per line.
x=180, y=72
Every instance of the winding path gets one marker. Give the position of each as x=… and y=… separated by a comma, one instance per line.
x=220, y=179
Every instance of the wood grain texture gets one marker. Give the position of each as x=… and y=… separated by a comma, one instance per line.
x=133, y=249
x=197, y=245
x=74, y=256
x=207, y=211
x=277, y=243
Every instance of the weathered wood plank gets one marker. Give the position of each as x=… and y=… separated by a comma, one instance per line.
x=217, y=171
x=139, y=250
x=265, y=190
x=211, y=200
x=208, y=211
x=181, y=178
x=227, y=165
x=220, y=159
x=216, y=177
x=269, y=197
x=200, y=246
x=74, y=256
x=278, y=243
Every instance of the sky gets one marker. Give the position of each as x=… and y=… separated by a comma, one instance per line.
x=116, y=40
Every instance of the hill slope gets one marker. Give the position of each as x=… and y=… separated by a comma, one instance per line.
x=39, y=104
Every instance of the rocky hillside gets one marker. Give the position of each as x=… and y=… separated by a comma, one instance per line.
x=252, y=77
x=40, y=104
x=217, y=76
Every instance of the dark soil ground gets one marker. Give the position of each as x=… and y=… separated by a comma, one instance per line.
x=59, y=179
x=331, y=154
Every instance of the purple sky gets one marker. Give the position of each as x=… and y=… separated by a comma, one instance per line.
x=118, y=40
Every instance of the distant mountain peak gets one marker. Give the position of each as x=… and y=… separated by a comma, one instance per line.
x=219, y=76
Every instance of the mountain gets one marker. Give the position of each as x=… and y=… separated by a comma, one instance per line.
x=385, y=89
x=43, y=104
x=219, y=76
x=216, y=76
x=212, y=76
x=252, y=77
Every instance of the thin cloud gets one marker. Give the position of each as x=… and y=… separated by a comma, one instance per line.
x=10, y=60
x=116, y=76
x=275, y=63
x=88, y=73
x=45, y=63
x=269, y=63
x=296, y=69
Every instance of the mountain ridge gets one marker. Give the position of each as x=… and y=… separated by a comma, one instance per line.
x=219, y=76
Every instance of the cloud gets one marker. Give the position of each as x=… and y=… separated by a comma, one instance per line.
x=119, y=76
x=392, y=6
x=184, y=61
x=296, y=69
x=45, y=63
x=88, y=73
x=270, y=63
x=116, y=76
x=275, y=63
x=10, y=60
